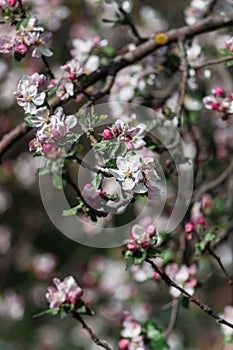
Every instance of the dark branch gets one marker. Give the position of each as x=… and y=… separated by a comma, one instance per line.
x=91, y=334
x=192, y=298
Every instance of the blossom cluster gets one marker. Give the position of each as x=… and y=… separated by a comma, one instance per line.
x=132, y=338
x=122, y=131
x=183, y=276
x=141, y=238
x=66, y=291
x=199, y=212
x=29, y=34
x=50, y=127
x=137, y=175
x=220, y=102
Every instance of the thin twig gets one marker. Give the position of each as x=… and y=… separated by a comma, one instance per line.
x=91, y=334
x=106, y=89
x=80, y=196
x=184, y=68
x=210, y=62
x=213, y=183
x=21, y=8
x=99, y=170
x=192, y=298
x=12, y=136
x=173, y=318
x=209, y=8
x=47, y=66
x=219, y=261
x=131, y=24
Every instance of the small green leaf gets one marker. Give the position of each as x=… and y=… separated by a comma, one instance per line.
x=42, y=171
x=81, y=308
x=99, y=3
x=109, y=51
x=51, y=91
x=57, y=181
x=155, y=336
x=228, y=338
x=29, y=122
x=52, y=312
x=110, y=197
x=23, y=23
x=96, y=182
x=184, y=301
x=73, y=211
x=111, y=164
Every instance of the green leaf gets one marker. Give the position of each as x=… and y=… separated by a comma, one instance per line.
x=110, y=197
x=155, y=336
x=51, y=91
x=58, y=181
x=98, y=118
x=83, y=119
x=96, y=182
x=81, y=308
x=184, y=301
x=111, y=164
x=228, y=338
x=23, y=23
x=42, y=171
x=109, y=51
x=29, y=122
x=73, y=211
x=99, y=3
x=52, y=312
x=139, y=256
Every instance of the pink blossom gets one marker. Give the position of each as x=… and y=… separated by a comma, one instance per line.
x=66, y=291
x=12, y=2
x=107, y=134
x=123, y=343
x=218, y=91
x=189, y=227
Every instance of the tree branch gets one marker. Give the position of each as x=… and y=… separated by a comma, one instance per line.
x=90, y=332
x=192, y=298
x=211, y=62
x=214, y=183
x=184, y=68
x=130, y=57
x=219, y=262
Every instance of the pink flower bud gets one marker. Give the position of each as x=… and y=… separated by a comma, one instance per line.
x=224, y=117
x=72, y=76
x=73, y=295
x=88, y=186
x=12, y=2
x=107, y=134
x=188, y=236
x=21, y=48
x=132, y=246
x=46, y=147
x=219, y=91
x=145, y=244
x=215, y=105
x=123, y=344
x=151, y=230
x=101, y=193
x=201, y=222
x=192, y=283
x=231, y=95
x=129, y=145
x=189, y=227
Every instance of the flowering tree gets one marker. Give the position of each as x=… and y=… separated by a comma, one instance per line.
x=125, y=114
